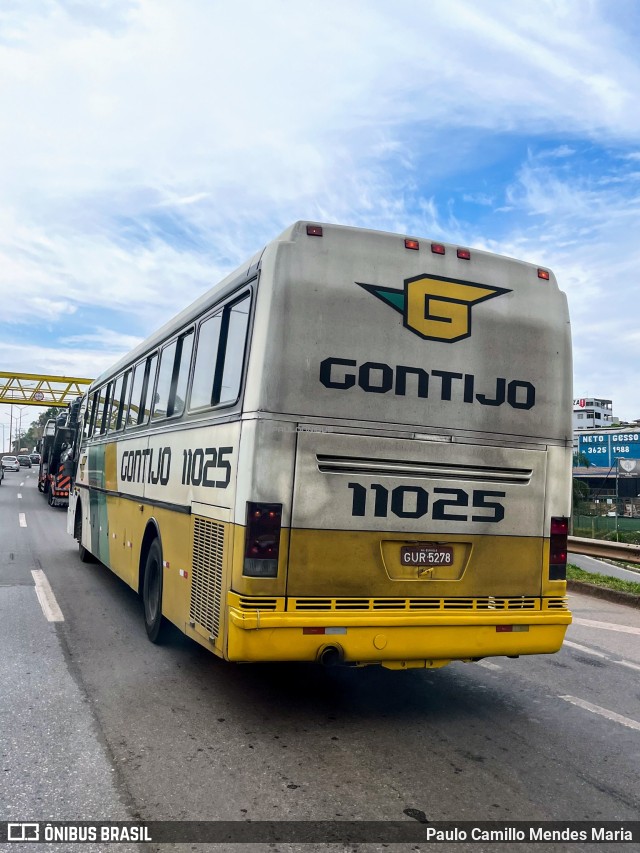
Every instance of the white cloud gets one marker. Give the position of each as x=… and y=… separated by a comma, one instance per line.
x=586, y=231
x=84, y=363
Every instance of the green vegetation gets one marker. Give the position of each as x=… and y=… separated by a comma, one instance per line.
x=580, y=494
x=581, y=460
x=576, y=574
x=30, y=438
x=604, y=527
x=631, y=537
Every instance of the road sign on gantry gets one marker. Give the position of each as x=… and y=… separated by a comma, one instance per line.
x=33, y=389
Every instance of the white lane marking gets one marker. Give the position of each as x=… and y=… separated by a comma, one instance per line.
x=628, y=663
x=603, y=712
x=488, y=665
x=22, y=484
x=47, y=599
x=585, y=649
x=22, y=518
x=596, y=654
x=607, y=626
x=19, y=496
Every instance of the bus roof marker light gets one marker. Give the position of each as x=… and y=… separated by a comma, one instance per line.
x=411, y=244
x=437, y=248
x=464, y=254
x=314, y=230
x=543, y=274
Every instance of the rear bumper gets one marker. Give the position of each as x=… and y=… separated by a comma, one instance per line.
x=401, y=640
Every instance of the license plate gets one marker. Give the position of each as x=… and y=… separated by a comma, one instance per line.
x=426, y=555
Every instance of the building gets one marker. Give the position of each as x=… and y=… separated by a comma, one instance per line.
x=592, y=413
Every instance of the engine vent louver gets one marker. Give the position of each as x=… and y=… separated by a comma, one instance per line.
x=421, y=470
x=252, y=603
x=206, y=577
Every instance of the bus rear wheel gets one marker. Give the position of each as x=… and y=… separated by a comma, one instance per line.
x=85, y=555
x=154, y=621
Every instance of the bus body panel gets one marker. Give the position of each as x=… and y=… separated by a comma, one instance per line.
x=337, y=349
x=394, y=640
x=405, y=492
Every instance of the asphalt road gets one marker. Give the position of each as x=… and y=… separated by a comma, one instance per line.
x=589, y=564
x=96, y=722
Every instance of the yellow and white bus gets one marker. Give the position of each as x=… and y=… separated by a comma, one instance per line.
x=356, y=448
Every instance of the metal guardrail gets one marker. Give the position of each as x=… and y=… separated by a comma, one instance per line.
x=602, y=548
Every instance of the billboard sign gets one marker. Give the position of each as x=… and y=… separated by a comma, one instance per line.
x=603, y=449
x=629, y=467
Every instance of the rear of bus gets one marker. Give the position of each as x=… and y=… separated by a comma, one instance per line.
x=404, y=483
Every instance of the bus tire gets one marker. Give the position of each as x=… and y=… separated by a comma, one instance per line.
x=85, y=555
x=50, y=498
x=154, y=621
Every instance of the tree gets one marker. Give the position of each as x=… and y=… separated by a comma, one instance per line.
x=580, y=492
x=581, y=460
x=32, y=436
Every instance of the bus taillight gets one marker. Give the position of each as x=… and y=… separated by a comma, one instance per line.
x=262, y=540
x=558, y=549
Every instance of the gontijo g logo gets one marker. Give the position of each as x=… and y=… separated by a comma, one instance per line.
x=434, y=307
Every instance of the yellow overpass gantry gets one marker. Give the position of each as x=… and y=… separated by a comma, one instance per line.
x=33, y=389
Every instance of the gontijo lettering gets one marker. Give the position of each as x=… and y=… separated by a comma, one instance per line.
x=376, y=377
x=201, y=466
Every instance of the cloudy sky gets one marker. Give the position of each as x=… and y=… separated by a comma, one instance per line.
x=147, y=147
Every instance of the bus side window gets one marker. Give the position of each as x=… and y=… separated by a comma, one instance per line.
x=103, y=409
x=149, y=386
x=205, y=367
x=115, y=403
x=135, y=403
x=173, y=375
x=91, y=421
x=126, y=386
x=238, y=320
x=165, y=376
x=181, y=374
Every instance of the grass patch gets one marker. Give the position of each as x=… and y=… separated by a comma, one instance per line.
x=576, y=574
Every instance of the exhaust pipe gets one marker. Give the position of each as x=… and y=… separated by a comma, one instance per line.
x=331, y=656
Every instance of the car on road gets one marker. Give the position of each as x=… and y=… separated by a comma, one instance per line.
x=24, y=460
x=10, y=463
x=35, y=458
x=1, y=473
